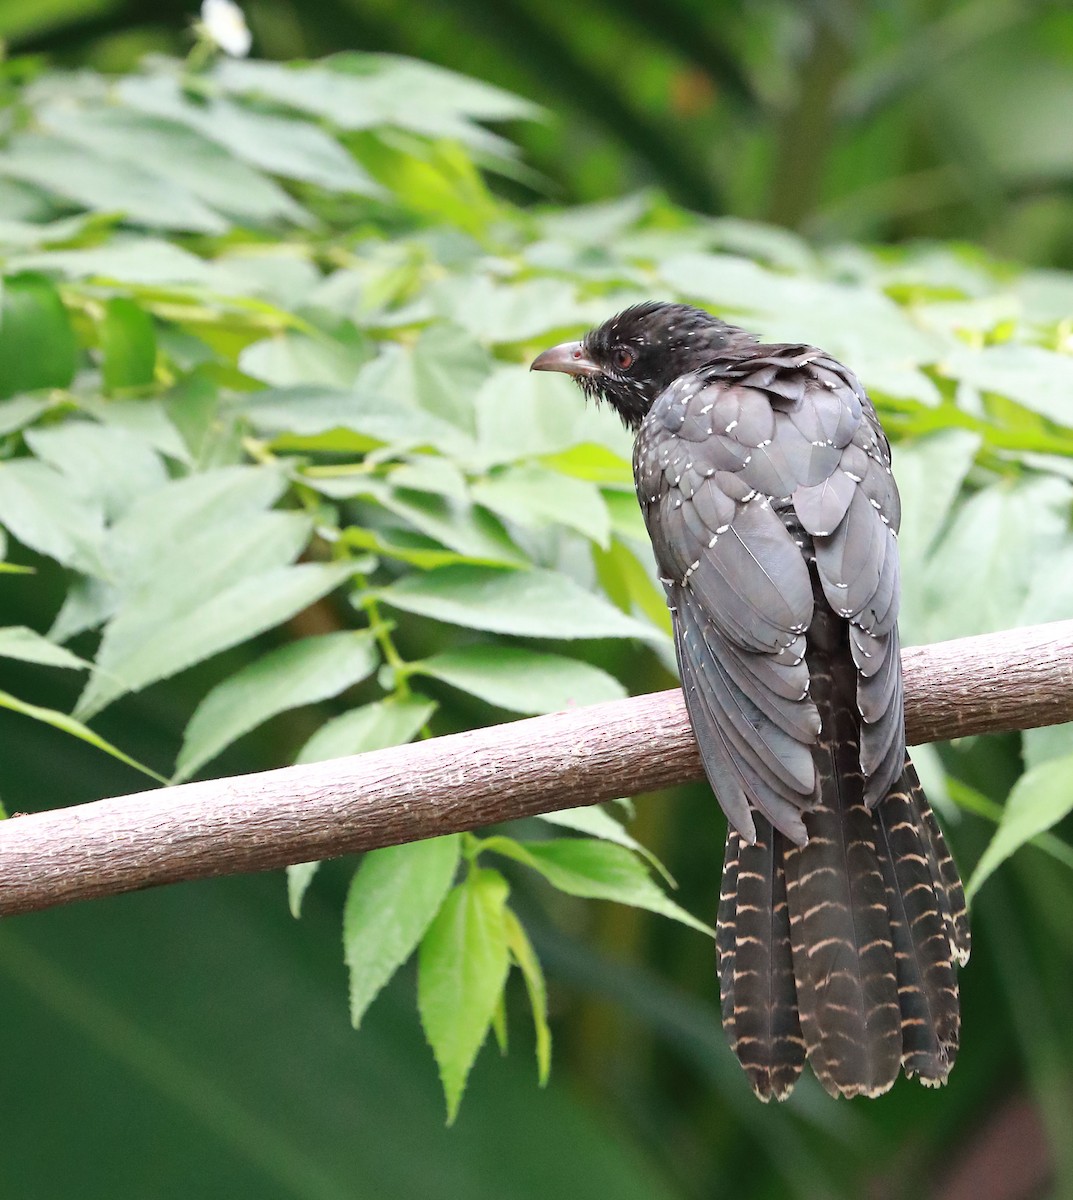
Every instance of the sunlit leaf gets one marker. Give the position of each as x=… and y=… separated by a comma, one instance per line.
x=301, y=672
x=524, y=603
x=596, y=870
x=536, y=497
x=375, y=726
x=520, y=680
x=41, y=508
x=597, y=822
x=522, y=952
x=107, y=466
x=393, y=897
x=1040, y=799
x=16, y=641
x=71, y=170
x=139, y=649
x=462, y=967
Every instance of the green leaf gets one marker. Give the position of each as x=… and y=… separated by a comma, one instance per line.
x=294, y=149
x=979, y=575
x=392, y=899
x=522, y=952
x=301, y=672
x=457, y=525
x=522, y=415
x=930, y=471
x=128, y=345
x=296, y=359
x=135, y=260
x=595, y=463
x=45, y=511
x=535, y=497
x=108, y=467
x=524, y=603
x=143, y=418
x=311, y=411
x=857, y=324
x=376, y=726
x=462, y=967
x=299, y=877
x=37, y=343
x=22, y=411
x=159, y=527
x=448, y=368
x=499, y=1023
x=597, y=822
x=520, y=680
x=174, y=153
x=1039, y=799
x=68, y=724
x=16, y=641
x=138, y=649
x=596, y=870
x=510, y=312
x=75, y=172
x=631, y=584
x=1039, y=379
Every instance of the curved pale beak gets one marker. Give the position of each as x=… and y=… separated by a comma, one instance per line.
x=568, y=357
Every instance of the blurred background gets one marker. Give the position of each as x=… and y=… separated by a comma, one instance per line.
x=847, y=119
x=195, y=1041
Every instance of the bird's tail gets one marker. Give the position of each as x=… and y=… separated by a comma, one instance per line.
x=845, y=950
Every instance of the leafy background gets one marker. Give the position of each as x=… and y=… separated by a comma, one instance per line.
x=277, y=486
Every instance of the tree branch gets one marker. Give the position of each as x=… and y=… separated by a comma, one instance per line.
x=1013, y=680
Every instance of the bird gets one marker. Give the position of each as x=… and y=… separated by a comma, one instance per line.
x=764, y=478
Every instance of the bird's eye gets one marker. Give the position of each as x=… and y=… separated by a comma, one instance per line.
x=623, y=358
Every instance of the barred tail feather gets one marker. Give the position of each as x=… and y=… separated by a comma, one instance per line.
x=759, y=997
x=726, y=929
x=921, y=929
x=943, y=870
x=843, y=951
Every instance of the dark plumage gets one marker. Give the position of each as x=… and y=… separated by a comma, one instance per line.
x=764, y=478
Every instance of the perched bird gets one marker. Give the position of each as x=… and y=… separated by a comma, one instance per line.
x=765, y=482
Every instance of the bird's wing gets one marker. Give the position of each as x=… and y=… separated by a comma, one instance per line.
x=853, y=518
x=738, y=468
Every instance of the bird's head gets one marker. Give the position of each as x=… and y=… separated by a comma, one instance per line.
x=631, y=358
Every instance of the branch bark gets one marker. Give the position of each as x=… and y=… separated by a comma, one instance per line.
x=1013, y=680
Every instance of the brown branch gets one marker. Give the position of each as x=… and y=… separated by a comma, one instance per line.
x=1013, y=680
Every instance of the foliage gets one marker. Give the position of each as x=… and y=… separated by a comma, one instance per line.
x=891, y=121
x=263, y=346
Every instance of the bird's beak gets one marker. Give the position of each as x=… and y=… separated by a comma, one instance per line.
x=568, y=357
